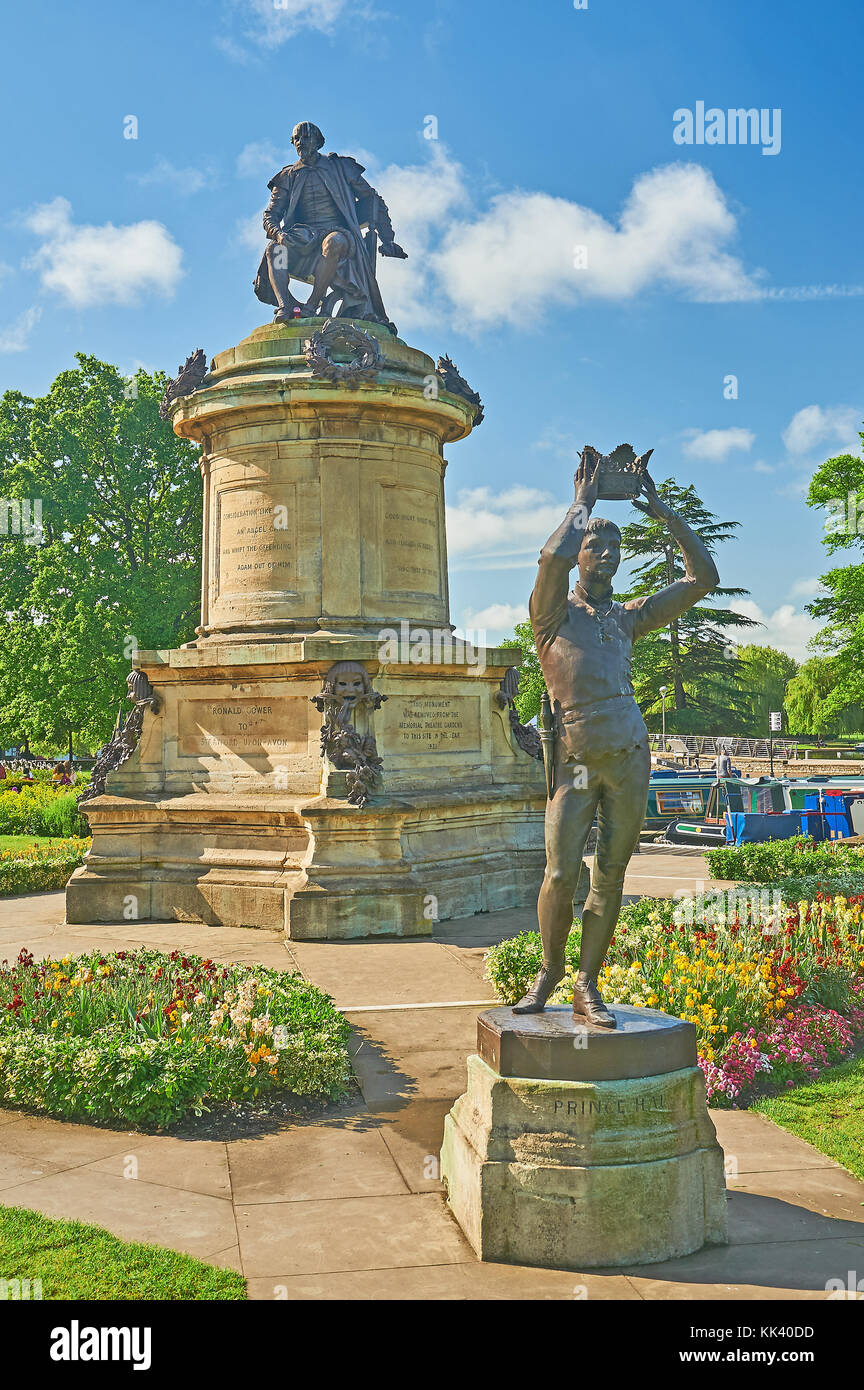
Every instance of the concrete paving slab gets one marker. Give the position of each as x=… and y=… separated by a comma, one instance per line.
x=16, y=1169
x=756, y=1218
x=186, y=1221
x=384, y=972
x=66, y=1144
x=475, y=1281
x=360, y=1233
x=768, y=1270
x=413, y=1138
x=829, y=1192
x=311, y=1163
x=754, y=1144
x=33, y=910
x=191, y=1165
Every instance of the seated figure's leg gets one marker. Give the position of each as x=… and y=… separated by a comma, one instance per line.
x=280, y=280
x=569, y=816
x=620, y=817
x=334, y=249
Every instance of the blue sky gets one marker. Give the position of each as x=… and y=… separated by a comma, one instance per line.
x=555, y=130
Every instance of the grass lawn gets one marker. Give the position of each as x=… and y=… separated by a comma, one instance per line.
x=26, y=841
x=75, y=1261
x=828, y=1113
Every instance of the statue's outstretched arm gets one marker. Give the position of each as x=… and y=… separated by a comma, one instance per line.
x=548, y=603
x=371, y=199
x=700, y=571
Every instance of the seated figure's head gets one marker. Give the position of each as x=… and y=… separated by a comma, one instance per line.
x=306, y=139
x=599, y=554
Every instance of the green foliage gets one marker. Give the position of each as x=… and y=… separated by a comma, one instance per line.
x=41, y=810
x=797, y=857
x=812, y=702
x=692, y=656
x=73, y=1261
x=511, y=965
x=531, y=682
x=119, y=563
x=764, y=672
x=794, y=888
x=140, y=1038
x=838, y=487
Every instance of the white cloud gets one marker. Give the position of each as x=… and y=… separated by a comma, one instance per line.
x=104, y=264
x=812, y=427
x=717, y=445
x=524, y=249
x=787, y=627
x=801, y=293
x=485, y=528
x=249, y=233
x=16, y=337
x=760, y=466
x=421, y=198
x=269, y=23
x=808, y=587
x=261, y=159
x=183, y=181
x=488, y=625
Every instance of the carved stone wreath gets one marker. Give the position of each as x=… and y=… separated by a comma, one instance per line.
x=345, y=338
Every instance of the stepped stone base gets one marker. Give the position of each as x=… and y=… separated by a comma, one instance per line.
x=580, y=1174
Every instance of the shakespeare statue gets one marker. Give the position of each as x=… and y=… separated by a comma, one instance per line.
x=315, y=220
x=600, y=763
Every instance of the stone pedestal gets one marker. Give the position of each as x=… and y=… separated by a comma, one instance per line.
x=577, y=1148
x=324, y=542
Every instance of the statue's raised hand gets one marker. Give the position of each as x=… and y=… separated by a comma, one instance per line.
x=654, y=504
x=586, y=479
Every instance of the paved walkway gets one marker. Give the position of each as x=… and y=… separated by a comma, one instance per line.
x=351, y=1207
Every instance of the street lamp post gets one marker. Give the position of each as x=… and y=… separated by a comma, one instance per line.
x=663, y=690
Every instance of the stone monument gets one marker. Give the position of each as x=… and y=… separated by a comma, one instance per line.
x=584, y=1137
x=325, y=757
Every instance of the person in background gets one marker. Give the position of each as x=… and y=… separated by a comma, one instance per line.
x=723, y=764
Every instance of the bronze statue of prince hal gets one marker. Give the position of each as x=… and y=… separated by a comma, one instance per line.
x=600, y=761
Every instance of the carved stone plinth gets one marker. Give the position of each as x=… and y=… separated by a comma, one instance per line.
x=568, y=1171
x=324, y=544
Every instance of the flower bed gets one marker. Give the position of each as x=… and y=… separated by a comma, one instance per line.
x=42, y=809
x=774, y=988
x=40, y=867
x=142, y=1038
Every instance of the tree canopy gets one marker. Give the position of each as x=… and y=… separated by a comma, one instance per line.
x=693, y=657
x=837, y=488
x=118, y=566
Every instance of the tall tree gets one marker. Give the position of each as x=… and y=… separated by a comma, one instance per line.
x=811, y=705
x=693, y=657
x=117, y=563
x=765, y=673
x=838, y=488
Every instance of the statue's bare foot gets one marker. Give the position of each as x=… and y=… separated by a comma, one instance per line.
x=588, y=1006
x=286, y=315
x=309, y=310
x=545, y=981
